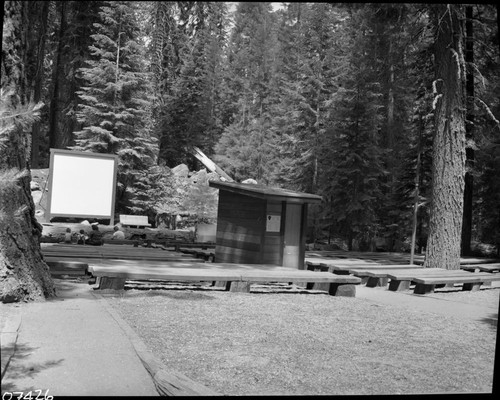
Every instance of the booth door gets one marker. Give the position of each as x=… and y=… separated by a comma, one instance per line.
x=292, y=253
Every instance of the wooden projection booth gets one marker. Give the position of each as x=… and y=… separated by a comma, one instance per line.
x=261, y=225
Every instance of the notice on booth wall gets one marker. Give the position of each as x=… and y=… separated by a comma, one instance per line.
x=273, y=223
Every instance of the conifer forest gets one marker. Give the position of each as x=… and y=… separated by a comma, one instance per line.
x=344, y=100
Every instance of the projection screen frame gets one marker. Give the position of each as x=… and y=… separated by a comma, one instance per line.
x=82, y=154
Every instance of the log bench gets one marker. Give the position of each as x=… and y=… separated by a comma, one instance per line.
x=205, y=254
x=111, y=251
x=492, y=268
x=374, y=277
x=66, y=267
x=345, y=269
x=176, y=245
x=428, y=278
x=238, y=277
x=473, y=282
x=336, y=266
x=121, y=241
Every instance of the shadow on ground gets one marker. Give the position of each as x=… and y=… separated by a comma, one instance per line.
x=491, y=320
x=179, y=294
x=20, y=368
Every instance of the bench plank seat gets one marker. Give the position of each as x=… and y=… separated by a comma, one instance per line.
x=346, y=269
x=110, y=251
x=121, y=241
x=482, y=267
x=379, y=276
x=472, y=282
x=67, y=267
x=235, y=273
x=207, y=255
x=401, y=280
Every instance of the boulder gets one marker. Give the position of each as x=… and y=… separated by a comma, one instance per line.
x=181, y=171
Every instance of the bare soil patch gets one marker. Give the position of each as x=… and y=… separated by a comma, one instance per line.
x=304, y=344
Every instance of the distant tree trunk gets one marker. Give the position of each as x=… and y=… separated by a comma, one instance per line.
x=448, y=169
x=38, y=80
x=54, y=134
x=469, y=134
x=23, y=273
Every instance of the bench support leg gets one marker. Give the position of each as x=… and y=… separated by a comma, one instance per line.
x=420, y=288
x=399, y=286
x=240, y=286
x=445, y=285
x=338, y=289
x=321, y=286
x=473, y=286
x=111, y=283
x=374, y=282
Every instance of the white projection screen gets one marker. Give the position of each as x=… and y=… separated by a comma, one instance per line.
x=81, y=184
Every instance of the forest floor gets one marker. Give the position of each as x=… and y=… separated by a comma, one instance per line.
x=315, y=344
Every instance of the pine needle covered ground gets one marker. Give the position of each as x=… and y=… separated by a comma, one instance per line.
x=305, y=344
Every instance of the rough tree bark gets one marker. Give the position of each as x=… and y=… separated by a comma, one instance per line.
x=57, y=75
x=469, y=134
x=38, y=79
x=23, y=273
x=448, y=169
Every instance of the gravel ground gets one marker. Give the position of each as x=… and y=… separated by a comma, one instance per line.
x=488, y=297
x=304, y=344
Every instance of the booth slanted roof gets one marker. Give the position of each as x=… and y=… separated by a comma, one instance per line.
x=266, y=192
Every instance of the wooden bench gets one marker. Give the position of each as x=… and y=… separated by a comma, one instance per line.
x=65, y=267
x=139, y=221
x=331, y=265
x=401, y=280
x=345, y=269
x=121, y=241
x=472, y=282
x=109, y=251
x=374, y=277
x=238, y=277
x=493, y=268
x=205, y=254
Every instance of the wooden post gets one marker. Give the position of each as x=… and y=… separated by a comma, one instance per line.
x=240, y=286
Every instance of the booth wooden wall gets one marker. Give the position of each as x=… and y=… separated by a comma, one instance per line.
x=261, y=226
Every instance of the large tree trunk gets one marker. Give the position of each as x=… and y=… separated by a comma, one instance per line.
x=469, y=133
x=448, y=169
x=38, y=79
x=23, y=273
x=55, y=139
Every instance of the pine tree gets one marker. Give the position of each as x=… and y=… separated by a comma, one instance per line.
x=311, y=62
x=246, y=148
x=115, y=107
x=188, y=57
x=353, y=182
x=448, y=168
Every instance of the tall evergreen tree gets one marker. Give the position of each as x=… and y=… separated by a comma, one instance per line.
x=187, y=113
x=246, y=148
x=115, y=107
x=354, y=170
x=312, y=61
x=448, y=168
